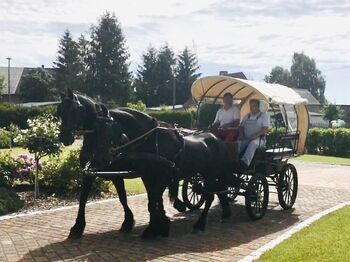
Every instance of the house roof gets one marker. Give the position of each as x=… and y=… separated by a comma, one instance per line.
x=15, y=77
x=304, y=93
x=240, y=75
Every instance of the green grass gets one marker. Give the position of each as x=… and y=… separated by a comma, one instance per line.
x=325, y=159
x=325, y=240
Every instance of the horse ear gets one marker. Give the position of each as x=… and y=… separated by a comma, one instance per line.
x=104, y=110
x=70, y=93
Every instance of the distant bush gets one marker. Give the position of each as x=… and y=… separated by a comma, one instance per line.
x=333, y=142
x=139, y=106
x=18, y=115
x=181, y=118
x=206, y=114
x=9, y=201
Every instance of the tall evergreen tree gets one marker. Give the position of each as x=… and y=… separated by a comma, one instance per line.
x=165, y=73
x=67, y=64
x=109, y=75
x=146, y=84
x=186, y=74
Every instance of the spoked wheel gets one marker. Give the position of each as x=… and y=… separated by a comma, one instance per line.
x=257, y=196
x=192, y=192
x=287, y=186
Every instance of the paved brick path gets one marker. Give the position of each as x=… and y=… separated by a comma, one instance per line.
x=42, y=237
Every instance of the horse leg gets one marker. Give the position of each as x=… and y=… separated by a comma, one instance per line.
x=164, y=221
x=151, y=229
x=129, y=221
x=201, y=222
x=79, y=226
x=226, y=211
x=178, y=204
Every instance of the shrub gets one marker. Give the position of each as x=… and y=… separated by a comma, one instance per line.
x=65, y=175
x=139, y=106
x=5, y=138
x=14, y=131
x=181, y=118
x=9, y=201
x=206, y=114
x=333, y=142
x=18, y=115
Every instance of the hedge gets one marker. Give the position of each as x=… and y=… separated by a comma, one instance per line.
x=5, y=138
x=181, y=118
x=18, y=115
x=332, y=142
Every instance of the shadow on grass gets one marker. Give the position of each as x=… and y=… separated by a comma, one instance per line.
x=115, y=246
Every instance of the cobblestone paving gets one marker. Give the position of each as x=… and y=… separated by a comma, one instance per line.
x=42, y=237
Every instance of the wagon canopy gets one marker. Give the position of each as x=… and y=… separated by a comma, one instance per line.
x=216, y=86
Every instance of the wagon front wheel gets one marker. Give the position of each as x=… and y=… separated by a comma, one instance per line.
x=257, y=196
x=191, y=193
x=287, y=186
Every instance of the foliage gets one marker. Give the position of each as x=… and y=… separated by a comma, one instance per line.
x=279, y=75
x=186, y=68
x=181, y=118
x=5, y=138
x=207, y=113
x=42, y=136
x=68, y=64
x=38, y=86
x=63, y=176
x=9, y=201
x=18, y=115
x=333, y=142
x=332, y=112
x=14, y=131
x=108, y=69
x=303, y=74
x=155, y=77
x=139, y=106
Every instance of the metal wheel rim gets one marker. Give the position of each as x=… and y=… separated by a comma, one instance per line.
x=288, y=186
x=257, y=197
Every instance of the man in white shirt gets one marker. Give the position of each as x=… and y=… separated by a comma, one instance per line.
x=226, y=120
x=252, y=132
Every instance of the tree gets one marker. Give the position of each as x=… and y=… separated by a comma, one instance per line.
x=38, y=86
x=41, y=139
x=306, y=75
x=187, y=66
x=68, y=64
x=146, y=85
x=109, y=76
x=303, y=74
x=332, y=112
x=279, y=75
x=1, y=84
x=165, y=74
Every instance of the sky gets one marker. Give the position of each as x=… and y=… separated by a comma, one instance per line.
x=251, y=36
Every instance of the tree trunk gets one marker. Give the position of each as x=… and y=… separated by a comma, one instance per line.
x=36, y=182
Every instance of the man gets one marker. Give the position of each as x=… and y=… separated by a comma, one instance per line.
x=226, y=120
x=252, y=132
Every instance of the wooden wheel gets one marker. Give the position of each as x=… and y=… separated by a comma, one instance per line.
x=287, y=186
x=257, y=196
x=192, y=192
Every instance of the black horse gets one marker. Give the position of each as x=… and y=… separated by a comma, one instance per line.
x=159, y=156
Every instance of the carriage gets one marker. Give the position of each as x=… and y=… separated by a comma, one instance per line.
x=289, y=123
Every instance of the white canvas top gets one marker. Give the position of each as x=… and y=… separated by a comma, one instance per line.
x=217, y=86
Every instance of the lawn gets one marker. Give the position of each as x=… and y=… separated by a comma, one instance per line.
x=325, y=159
x=325, y=240
x=19, y=150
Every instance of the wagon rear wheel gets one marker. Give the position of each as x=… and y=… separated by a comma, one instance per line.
x=192, y=192
x=287, y=186
x=257, y=196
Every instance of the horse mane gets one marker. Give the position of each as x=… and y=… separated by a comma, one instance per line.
x=88, y=103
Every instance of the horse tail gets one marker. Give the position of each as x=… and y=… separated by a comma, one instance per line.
x=173, y=189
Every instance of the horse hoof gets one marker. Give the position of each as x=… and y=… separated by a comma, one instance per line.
x=75, y=235
x=180, y=206
x=148, y=234
x=127, y=226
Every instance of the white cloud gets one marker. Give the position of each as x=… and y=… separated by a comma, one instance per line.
x=229, y=34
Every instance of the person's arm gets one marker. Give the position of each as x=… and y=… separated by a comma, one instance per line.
x=260, y=133
x=216, y=122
